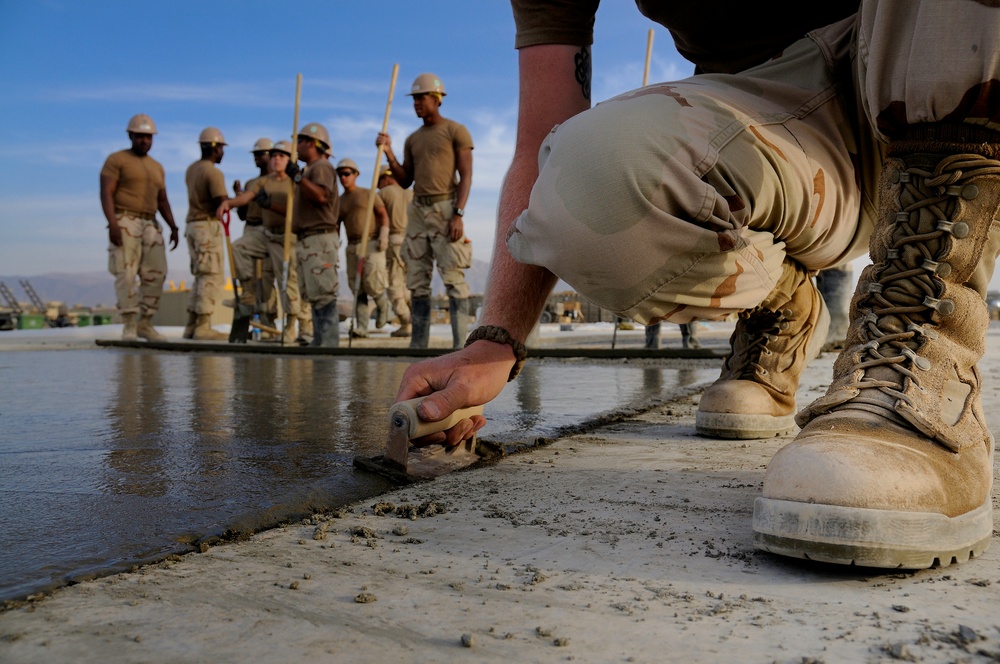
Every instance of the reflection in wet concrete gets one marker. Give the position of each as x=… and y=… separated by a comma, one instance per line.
x=112, y=457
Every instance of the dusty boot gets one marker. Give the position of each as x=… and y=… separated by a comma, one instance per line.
x=326, y=326
x=146, y=330
x=360, y=329
x=421, y=332
x=836, y=287
x=404, y=329
x=129, y=329
x=384, y=305
x=288, y=332
x=894, y=466
x=189, y=328
x=458, y=310
x=689, y=336
x=755, y=395
x=203, y=330
x=653, y=336
x=306, y=332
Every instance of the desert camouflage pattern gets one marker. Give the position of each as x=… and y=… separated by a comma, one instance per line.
x=426, y=242
x=374, y=277
x=270, y=248
x=398, y=293
x=317, y=257
x=679, y=201
x=141, y=255
x=205, y=242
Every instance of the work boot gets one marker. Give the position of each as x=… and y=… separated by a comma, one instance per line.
x=288, y=332
x=653, y=336
x=305, y=327
x=146, y=330
x=458, y=309
x=361, y=318
x=894, y=466
x=836, y=287
x=689, y=336
x=771, y=345
x=203, y=330
x=326, y=326
x=421, y=331
x=189, y=327
x=384, y=305
x=129, y=329
x=404, y=329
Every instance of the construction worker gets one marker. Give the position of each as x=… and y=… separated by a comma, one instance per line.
x=317, y=201
x=133, y=190
x=270, y=193
x=206, y=190
x=253, y=234
x=806, y=137
x=432, y=155
x=374, y=279
x=396, y=200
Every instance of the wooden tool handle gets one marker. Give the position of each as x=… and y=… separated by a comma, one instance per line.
x=418, y=427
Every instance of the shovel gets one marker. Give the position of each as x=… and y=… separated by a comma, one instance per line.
x=403, y=463
x=242, y=313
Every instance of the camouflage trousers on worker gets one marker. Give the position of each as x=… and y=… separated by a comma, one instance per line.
x=427, y=242
x=248, y=281
x=270, y=249
x=139, y=265
x=318, y=259
x=205, y=242
x=680, y=200
x=374, y=278
x=399, y=294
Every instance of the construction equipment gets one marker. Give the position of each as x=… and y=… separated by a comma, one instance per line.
x=405, y=463
x=8, y=319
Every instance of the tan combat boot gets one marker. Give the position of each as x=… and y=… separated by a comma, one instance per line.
x=129, y=330
x=189, y=327
x=894, y=466
x=146, y=330
x=288, y=333
x=755, y=395
x=203, y=330
x=404, y=327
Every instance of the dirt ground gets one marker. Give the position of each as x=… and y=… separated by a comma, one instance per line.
x=630, y=543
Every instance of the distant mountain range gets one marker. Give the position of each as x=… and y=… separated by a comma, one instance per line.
x=92, y=289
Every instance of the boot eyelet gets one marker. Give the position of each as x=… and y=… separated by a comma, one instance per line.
x=872, y=287
x=902, y=217
x=970, y=192
x=921, y=363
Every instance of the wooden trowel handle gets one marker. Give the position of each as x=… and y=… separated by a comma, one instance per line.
x=418, y=427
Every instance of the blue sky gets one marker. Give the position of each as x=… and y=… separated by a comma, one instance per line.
x=76, y=72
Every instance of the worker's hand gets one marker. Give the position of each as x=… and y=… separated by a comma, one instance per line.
x=456, y=228
x=383, y=238
x=115, y=233
x=472, y=376
x=237, y=187
x=292, y=169
x=224, y=207
x=263, y=199
x=174, y=237
x=383, y=140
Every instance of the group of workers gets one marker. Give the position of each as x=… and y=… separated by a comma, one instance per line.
x=395, y=235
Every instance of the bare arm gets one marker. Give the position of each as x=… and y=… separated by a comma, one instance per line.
x=108, y=188
x=403, y=174
x=463, y=162
x=163, y=205
x=550, y=93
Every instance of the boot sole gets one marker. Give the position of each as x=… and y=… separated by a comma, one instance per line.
x=742, y=425
x=868, y=537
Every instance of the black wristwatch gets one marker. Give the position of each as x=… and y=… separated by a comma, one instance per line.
x=459, y=211
x=298, y=177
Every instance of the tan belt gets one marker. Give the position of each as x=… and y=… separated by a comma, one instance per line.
x=138, y=215
x=435, y=198
x=316, y=231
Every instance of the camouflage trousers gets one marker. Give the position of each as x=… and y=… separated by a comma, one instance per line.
x=318, y=259
x=680, y=201
x=267, y=272
x=426, y=242
x=142, y=256
x=374, y=277
x=270, y=248
x=205, y=242
x=399, y=294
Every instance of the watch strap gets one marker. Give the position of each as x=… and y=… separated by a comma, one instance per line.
x=499, y=335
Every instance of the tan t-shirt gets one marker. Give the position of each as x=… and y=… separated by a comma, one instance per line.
x=310, y=216
x=718, y=36
x=353, y=206
x=140, y=181
x=396, y=200
x=431, y=153
x=279, y=191
x=255, y=214
x=205, y=183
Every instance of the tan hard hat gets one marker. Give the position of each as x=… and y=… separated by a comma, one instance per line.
x=283, y=147
x=212, y=135
x=386, y=171
x=317, y=131
x=348, y=163
x=141, y=124
x=426, y=83
x=263, y=145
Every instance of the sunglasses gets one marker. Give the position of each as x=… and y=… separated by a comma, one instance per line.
x=344, y=174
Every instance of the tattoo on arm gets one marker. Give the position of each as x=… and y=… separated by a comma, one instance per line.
x=583, y=71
